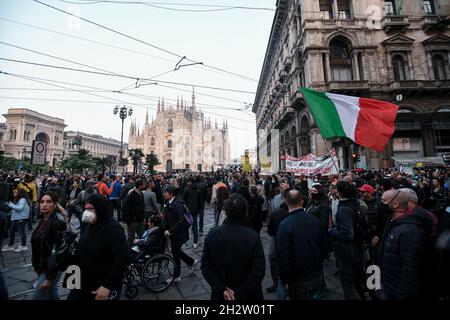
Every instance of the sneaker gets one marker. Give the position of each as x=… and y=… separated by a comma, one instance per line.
x=21, y=248
x=192, y=269
x=7, y=248
x=177, y=279
x=195, y=246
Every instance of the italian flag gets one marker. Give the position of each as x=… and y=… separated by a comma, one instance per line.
x=368, y=122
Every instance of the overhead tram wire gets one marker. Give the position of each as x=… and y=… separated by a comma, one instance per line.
x=174, y=4
x=140, y=41
x=121, y=101
x=108, y=45
x=97, y=89
x=94, y=102
x=125, y=76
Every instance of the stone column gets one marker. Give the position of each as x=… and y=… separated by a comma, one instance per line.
x=410, y=66
x=430, y=65
x=355, y=66
x=328, y=66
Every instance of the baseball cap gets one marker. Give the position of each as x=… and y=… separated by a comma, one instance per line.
x=366, y=188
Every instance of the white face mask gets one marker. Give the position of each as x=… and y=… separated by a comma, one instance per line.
x=88, y=216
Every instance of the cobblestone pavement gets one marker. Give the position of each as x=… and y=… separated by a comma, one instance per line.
x=19, y=275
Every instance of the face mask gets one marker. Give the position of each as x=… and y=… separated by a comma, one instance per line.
x=88, y=216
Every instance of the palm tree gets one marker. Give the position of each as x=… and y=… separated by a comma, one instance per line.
x=151, y=160
x=79, y=162
x=136, y=155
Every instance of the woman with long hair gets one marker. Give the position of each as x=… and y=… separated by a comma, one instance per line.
x=44, y=239
x=19, y=218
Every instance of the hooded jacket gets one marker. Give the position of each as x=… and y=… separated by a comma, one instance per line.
x=405, y=249
x=103, y=250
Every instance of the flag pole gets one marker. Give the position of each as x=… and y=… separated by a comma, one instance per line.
x=329, y=152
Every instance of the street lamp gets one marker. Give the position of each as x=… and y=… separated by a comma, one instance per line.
x=123, y=113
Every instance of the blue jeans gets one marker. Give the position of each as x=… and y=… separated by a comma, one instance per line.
x=281, y=291
x=3, y=288
x=18, y=224
x=46, y=294
x=195, y=227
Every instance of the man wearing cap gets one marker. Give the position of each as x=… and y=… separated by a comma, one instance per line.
x=373, y=217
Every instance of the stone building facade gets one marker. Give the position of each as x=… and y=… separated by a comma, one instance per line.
x=23, y=126
x=182, y=138
x=396, y=51
x=97, y=145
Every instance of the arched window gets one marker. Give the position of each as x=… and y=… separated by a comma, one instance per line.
x=169, y=144
x=152, y=141
x=294, y=141
x=170, y=126
x=440, y=65
x=305, y=142
x=399, y=67
x=340, y=59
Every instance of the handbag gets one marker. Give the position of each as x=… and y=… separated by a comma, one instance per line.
x=188, y=216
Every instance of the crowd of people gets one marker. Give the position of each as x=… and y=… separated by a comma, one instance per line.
x=384, y=218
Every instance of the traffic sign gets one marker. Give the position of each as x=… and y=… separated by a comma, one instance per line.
x=38, y=152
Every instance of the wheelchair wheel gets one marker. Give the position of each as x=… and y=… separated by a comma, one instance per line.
x=158, y=273
x=131, y=291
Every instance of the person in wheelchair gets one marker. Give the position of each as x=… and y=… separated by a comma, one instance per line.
x=151, y=242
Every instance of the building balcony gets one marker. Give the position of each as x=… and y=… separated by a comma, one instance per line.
x=287, y=114
x=435, y=23
x=395, y=23
x=420, y=84
x=353, y=85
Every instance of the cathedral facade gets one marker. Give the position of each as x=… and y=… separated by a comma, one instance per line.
x=182, y=138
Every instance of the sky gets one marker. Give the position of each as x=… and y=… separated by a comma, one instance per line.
x=233, y=40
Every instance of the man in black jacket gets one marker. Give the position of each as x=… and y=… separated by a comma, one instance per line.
x=255, y=215
x=202, y=188
x=276, y=217
x=192, y=198
x=233, y=258
x=347, y=249
x=404, y=247
x=300, y=250
x=135, y=212
x=177, y=230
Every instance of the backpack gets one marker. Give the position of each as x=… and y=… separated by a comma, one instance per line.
x=363, y=232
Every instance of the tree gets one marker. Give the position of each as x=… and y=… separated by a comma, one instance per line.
x=151, y=160
x=136, y=155
x=79, y=162
x=104, y=163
